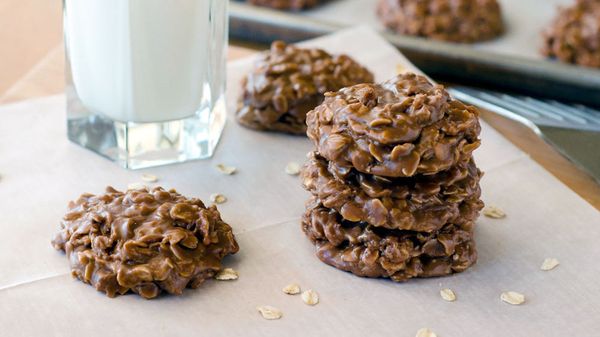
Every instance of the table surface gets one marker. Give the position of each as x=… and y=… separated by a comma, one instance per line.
x=33, y=66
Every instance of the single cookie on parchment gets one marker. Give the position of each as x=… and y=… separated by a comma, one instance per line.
x=574, y=35
x=143, y=240
x=447, y=20
x=288, y=81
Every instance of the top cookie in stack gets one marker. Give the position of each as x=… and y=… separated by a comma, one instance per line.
x=288, y=81
x=399, y=128
x=395, y=188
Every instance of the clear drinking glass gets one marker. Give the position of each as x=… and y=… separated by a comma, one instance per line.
x=146, y=78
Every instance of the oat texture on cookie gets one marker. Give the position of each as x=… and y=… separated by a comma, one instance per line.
x=288, y=81
x=145, y=241
x=395, y=189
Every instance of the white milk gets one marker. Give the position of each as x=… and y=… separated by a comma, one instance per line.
x=143, y=60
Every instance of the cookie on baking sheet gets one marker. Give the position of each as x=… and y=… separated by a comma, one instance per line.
x=448, y=20
x=288, y=81
x=369, y=251
x=423, y=203
x=574, y=35
x=399, y=128
x=144, y=240
x=285, y=4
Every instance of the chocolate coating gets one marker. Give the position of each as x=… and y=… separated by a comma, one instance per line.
x=285, y=4
x=420, y=203
x=574, y=35
x=143, y=240
x=288, y=81
x=370, y=251
x=399, y=128
x=448, y=20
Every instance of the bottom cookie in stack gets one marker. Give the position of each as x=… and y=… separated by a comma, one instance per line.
x=370, y=251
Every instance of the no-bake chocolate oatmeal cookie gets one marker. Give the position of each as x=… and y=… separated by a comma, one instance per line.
x=424, y=203
x=395, y=189
x=289, y=81
x=146, y=241
x=447, y=20
x=370, y=251
x=285, y=4
x=574, y=36
x=399, y=128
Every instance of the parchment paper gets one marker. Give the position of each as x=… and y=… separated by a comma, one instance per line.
x=524, y=21
x=41, y=171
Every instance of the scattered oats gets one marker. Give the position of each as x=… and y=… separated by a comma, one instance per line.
x=149, y=178
x=218, y=198
x=269, y=312
x=448, y=295
x=292, y=289
x=310, y=297
x=400, y=68
x=136, y=186
x=425, y=332
x=292, y=168
x=228, y=170
x=549, y=264
x=227, y=274
x=493, y=212
x=512, y=297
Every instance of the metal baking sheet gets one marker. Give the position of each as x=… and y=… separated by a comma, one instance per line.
x=511, y=62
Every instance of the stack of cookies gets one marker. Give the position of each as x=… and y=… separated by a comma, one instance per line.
x=395, y=190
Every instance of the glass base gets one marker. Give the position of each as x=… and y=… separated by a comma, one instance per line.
x=140, y=145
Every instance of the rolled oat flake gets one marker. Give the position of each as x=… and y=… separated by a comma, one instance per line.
x=292, y=168
x=494, y=212
x=512, y=297
x=149, y=178
x=549, y=264
x=228, y=170
x=292, y=289
x=218, y=198
x=269, y=312
x=227, y=274
x=425, y=332
x=448, y=295
x=310, y=297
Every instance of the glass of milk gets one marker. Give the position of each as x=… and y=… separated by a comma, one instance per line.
x=146, y=78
